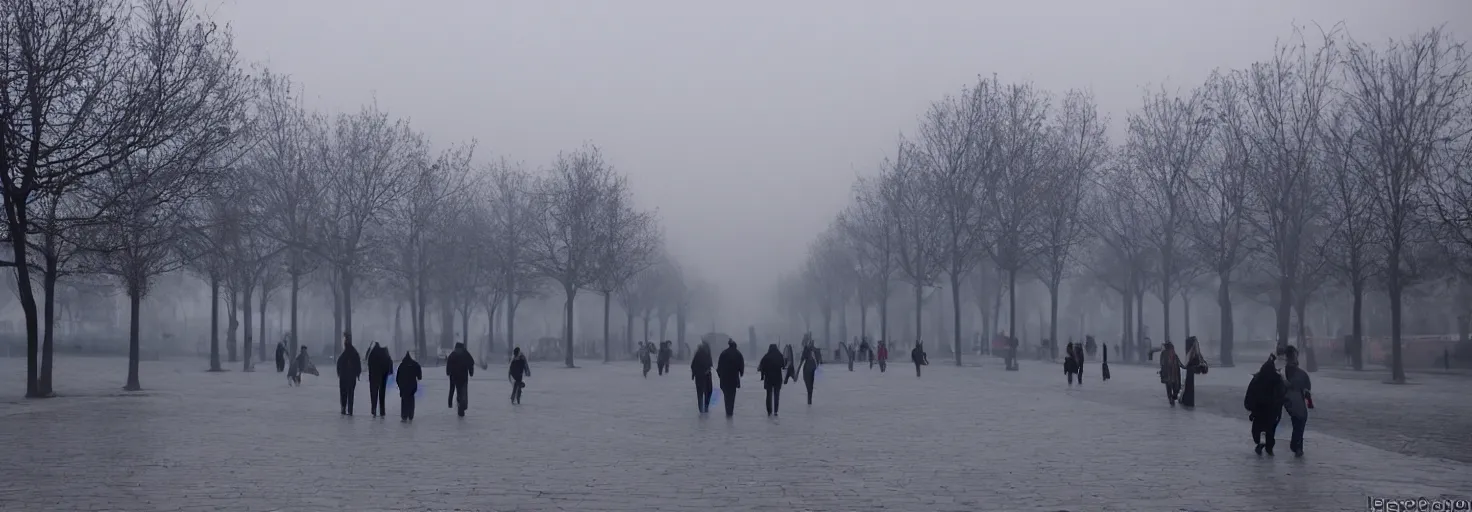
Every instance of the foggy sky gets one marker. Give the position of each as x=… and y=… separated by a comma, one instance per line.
x=746, y=122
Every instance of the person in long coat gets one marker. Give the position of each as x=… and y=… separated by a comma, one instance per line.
x=1104, y=368
x=770, y=369
x=809, y=366
x=380, y=366
x=1297, y=400
x=1170, y=371
x=917, y=355
x=666, y=352
x=1195, y=364
x=520, y=369
x=460, y=367
x=883, y=355
x=791, y=370
x=280, y=356
x=1070, y=364
x=407, y=377
x=730, y=368
x=1264, y=404
x=700, y=368
x=349, y=368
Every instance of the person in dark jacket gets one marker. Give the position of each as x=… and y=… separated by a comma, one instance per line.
x=1195, y=365
x=646, y=351
x=809, y=366
x=519, y=370
x=1297, y=399
x=729, y=368
x=460, y=366
x=666, y=352
x=883, y=355
x=1104, y=368
x=380, y=365
x=280, y=357
x=770, y=369
x=407, y=377
x=700, y=366
x=1070, y=365
x=1078, y=359
x=1264, y=404
x=349, y=368
x=917, y=355
x=791, y=370
x=866, y=351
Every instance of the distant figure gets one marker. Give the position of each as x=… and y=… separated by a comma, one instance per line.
x=280, y=357
x=349, y=367
x=1195, y=364
x=1012, y=353
x=380, y=365
x=770, y=369
x=809, y=365
x=1170, y=371
x=729, y=369
x=407, y=377
x=646, y=351
x=460, y=366
x=866, y=351
x=1090, y=347
x=700, y=366
x=1264, y=403
x=917, y=355
x=1078, y=361
x=791, y=370
x=666, y=352
x=1104, y=369
x=519, y=370
x=300, y=364
x=1297, y=400
x=848, y=352
x=1070, y=365
x=883, y=355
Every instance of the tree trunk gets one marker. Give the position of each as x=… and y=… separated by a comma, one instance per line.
x=48, y=318
x=956, y=318
x=296, y=286
x=1012, y=305
x=232, y=322
x=664, y=322
x=1397, y=371
x=919, y=312
x=1142, y=346
x=465, y=325
x=1186, y=315
x=511, y=303
x=398, y=326
x=1224, y=300
x=568, y=323
x=607, y=311
x=215, y=324
x=863, y=322
x=418, y=311
x=261, y=343
x=827, y=313
x=336, y=287
x=246, y=306
x=681, y=319
x=1356, y=356
x=1127, y=339
x=629, y=331
x=134, y=302
x=842, y=324
x=1285, y=304
x=447, y=322
x=1053, y=312
x=648, y=314
x=1165, y=297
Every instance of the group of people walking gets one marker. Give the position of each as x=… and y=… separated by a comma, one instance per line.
x=459, y=367
x=1269, y=394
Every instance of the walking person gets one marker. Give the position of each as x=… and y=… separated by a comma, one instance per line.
x=280, y=356
x=866, y=351
x=1195, y=364
x=700, y=367
x=770, y=369
x=809, y=365
x=1298, y=399
x=1078, y=359
x=1070, y=365
x=917, y=355
x=380, y=365
x=645, y=352
x=1170, y=371
x=519, y=370
x=1264, y=404
x=349, y=368
x=1104, y=368
x=666, y=351
x=791, y=370
x=300, y=364
x=883, y=355
x=460, y=366
x=729, y=368
x=407, y=377
x=848, y=351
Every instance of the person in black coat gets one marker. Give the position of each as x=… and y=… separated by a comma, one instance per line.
x=700, y=366
x=518, y=371
x=280, y=357
x=407, y=377
x=729, y=369
x=1104, y=368
x=460, y=366
x=917, y=355
x=770, y=369
x=380, y=365
x=349, y=367
x=666, y=352
x=1264, y=404
x=809, y=366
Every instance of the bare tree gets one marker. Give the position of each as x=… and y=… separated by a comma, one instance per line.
x=565, y=239
x=869, y=229
x=514, y=220
x=291, y=202
x=1218, y=209
x=1079, y=149
x=1350, y=252
x=829, y=273
x=1125, y=257
x=629, y=241
x=1411, y=100
x=431, y=193
x=955, y=147
x=921, y=242
x=1011, y=185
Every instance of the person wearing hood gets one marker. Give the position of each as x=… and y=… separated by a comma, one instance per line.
x=349, y=368
x=809, y=365
x=1195, y=364
x=791, y=370
x=700, y=366
x=407, y=377
x=666, y=352
x=917, y=355
x=770, y=369
x=1297, y=399
x=729, y=368
x=460, y=366
x=1264, y=403
x=280, y=357
x=1170, y=371
x=380, y=365
x=519, y=370
x=300, y=364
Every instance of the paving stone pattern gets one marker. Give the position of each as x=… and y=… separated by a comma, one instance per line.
x=601, y=438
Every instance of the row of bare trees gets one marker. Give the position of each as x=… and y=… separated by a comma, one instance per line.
x=134, y=144
x=1335, y=163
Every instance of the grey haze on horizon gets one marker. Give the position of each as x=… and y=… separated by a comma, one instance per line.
x=745, y=123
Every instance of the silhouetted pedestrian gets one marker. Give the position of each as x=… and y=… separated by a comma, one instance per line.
x=700, y=367
x=917, y=355
x=883, y=355
x=460, y=366
x=1298, y=399
x=407, y=377
x=1264, y=403
x=349, y=367
x=809, y=365
x=729, y=368
x=280, y=357
x=1195, y=365
x=520, y=369
x=666, y=352
x=646, y=353
x=380, y=365
x=791, y=370
x=770, y=369
x=1104, y=368
x=1070, y=365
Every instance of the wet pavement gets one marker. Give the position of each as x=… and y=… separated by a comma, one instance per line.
x=603, y=438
